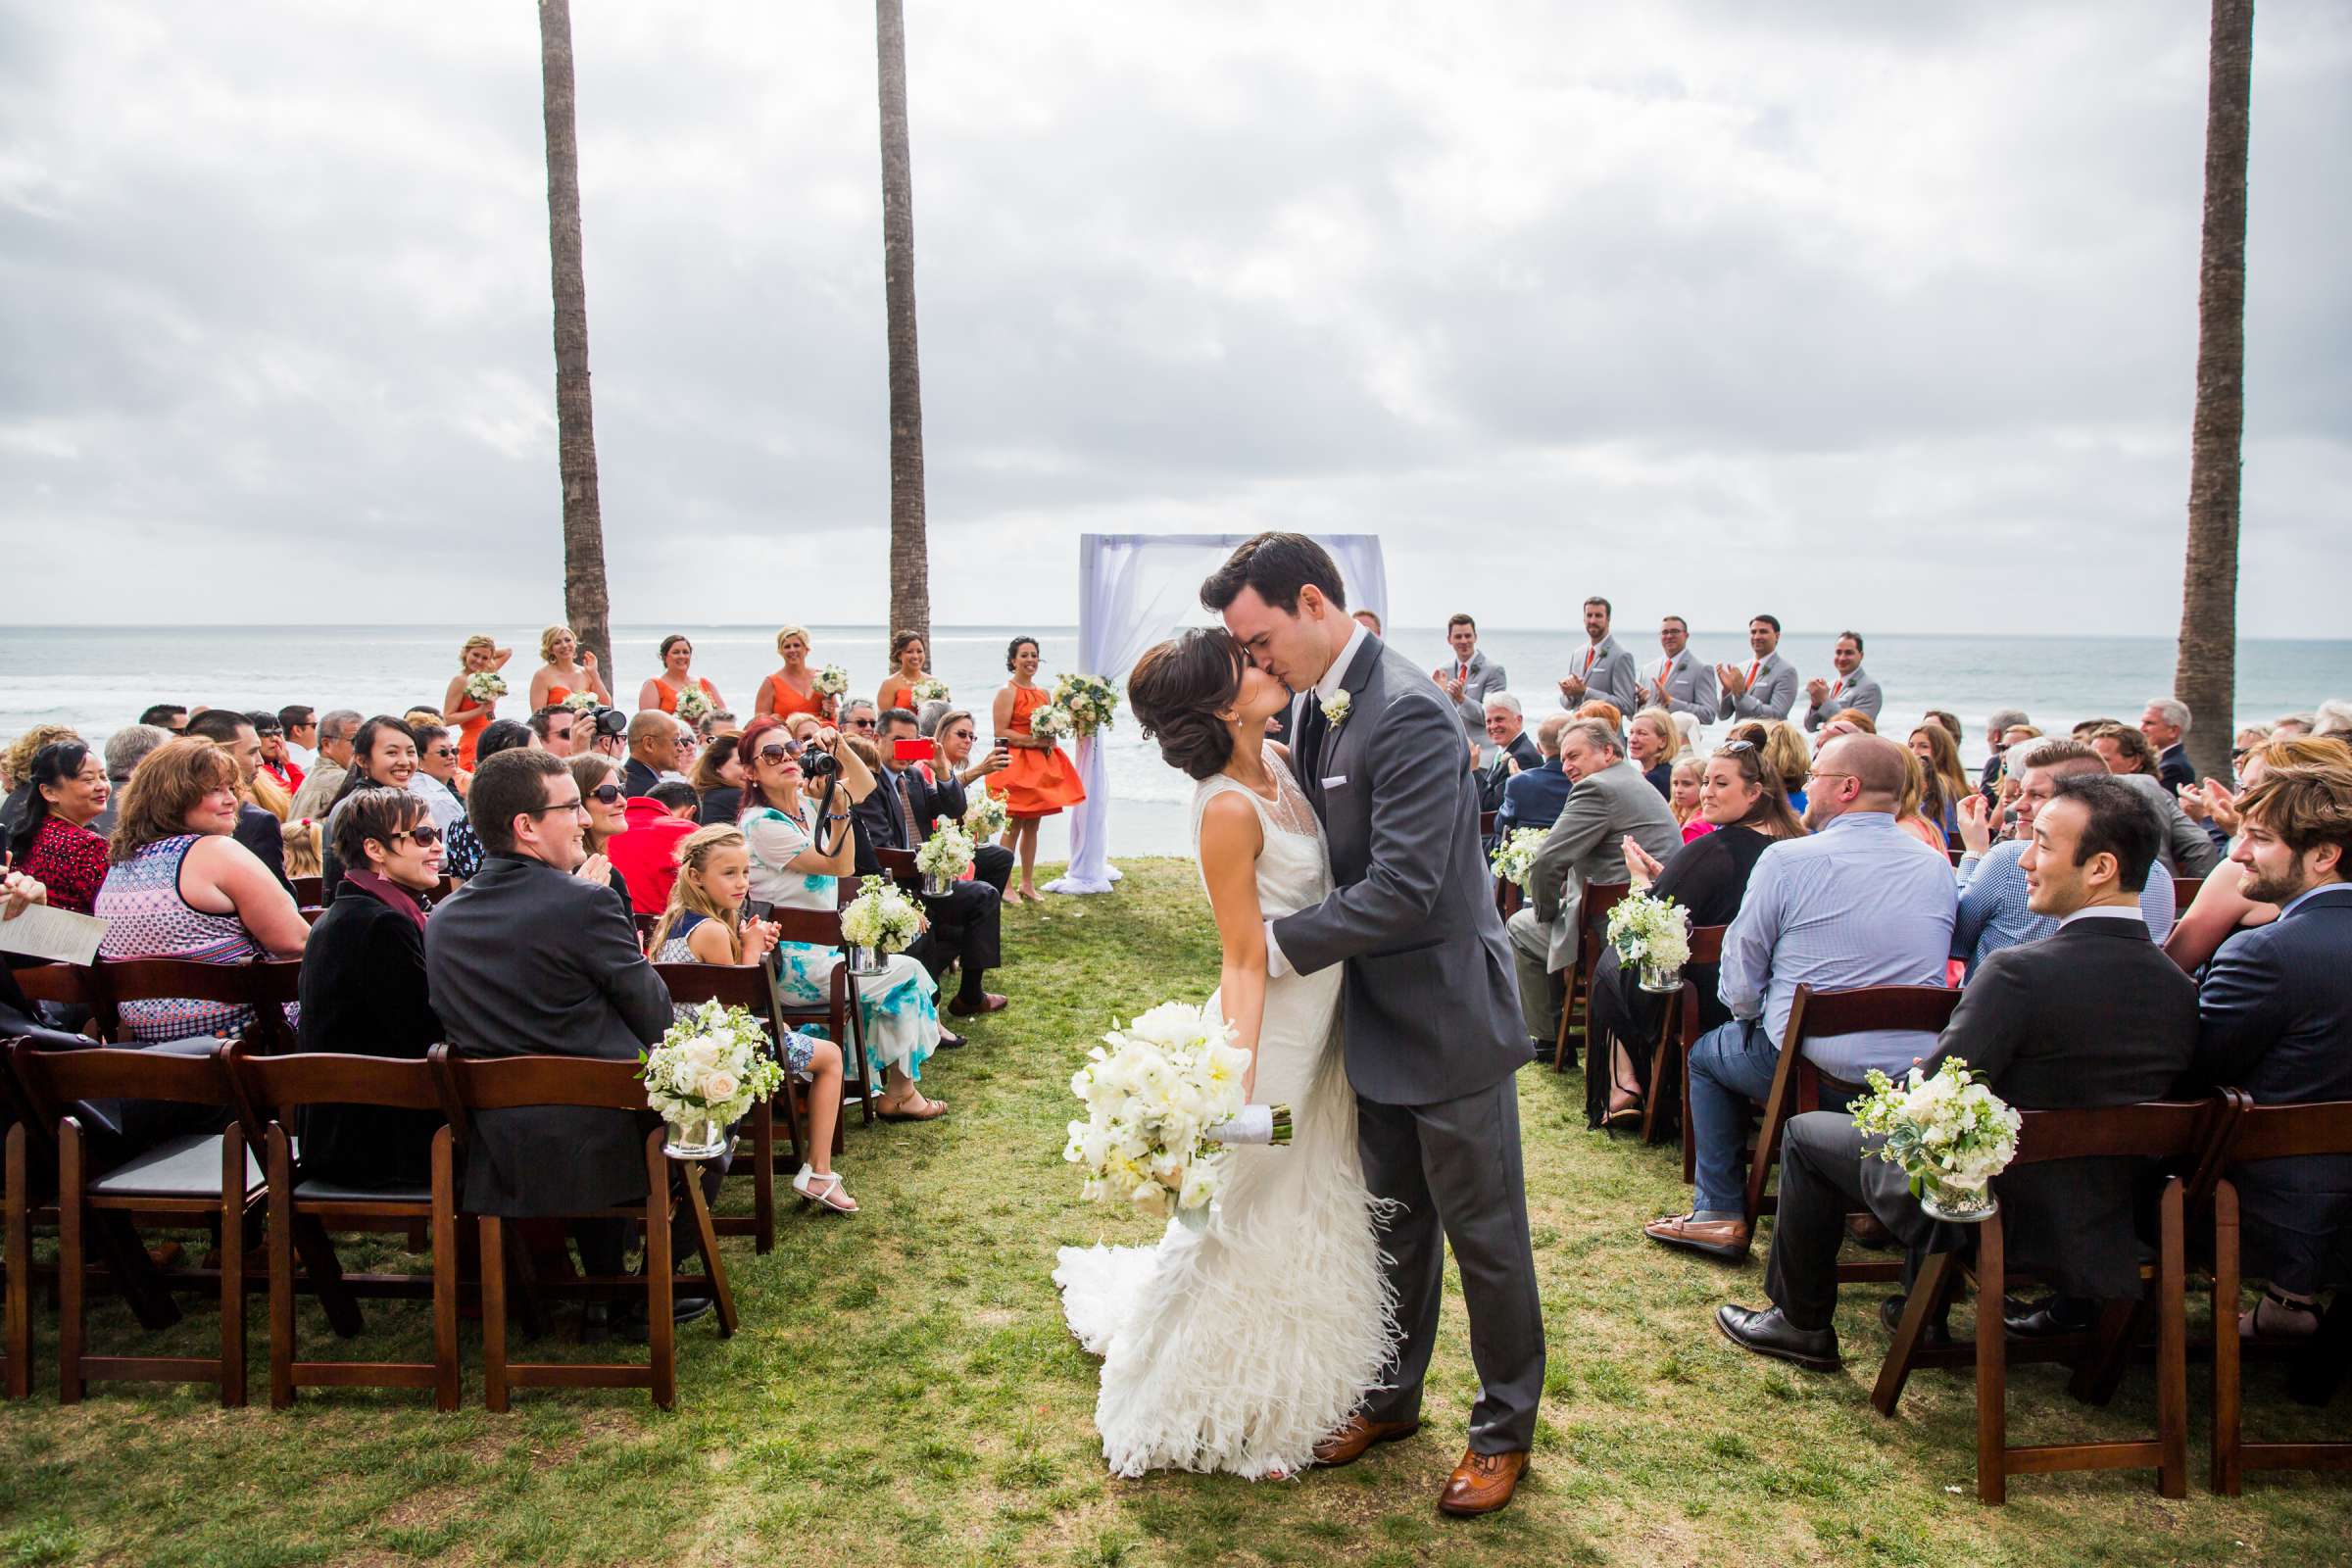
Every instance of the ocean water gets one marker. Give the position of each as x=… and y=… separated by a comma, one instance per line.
x=96, y=678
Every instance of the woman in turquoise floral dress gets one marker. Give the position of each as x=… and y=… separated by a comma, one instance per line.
x=901, y=1006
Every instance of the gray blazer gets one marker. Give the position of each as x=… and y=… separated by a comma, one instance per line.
x=1858, y=690
x=1486, y=679
x=1431, y=1000
x=1772, y=695
x=2186, y=849
x=1612, y=678
x=1587, y=845
x=1688, y=686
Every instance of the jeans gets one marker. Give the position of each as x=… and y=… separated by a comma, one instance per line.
x=1730, y=1065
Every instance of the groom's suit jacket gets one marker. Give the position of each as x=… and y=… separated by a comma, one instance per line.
x=1431, y=996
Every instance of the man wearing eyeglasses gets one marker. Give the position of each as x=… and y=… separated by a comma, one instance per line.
x=654, y=744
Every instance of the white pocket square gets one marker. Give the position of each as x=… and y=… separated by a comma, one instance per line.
x=1335, y=781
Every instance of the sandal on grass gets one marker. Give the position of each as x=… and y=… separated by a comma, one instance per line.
x=2279, y=1316
x=932, y=1110
x=824, y=1190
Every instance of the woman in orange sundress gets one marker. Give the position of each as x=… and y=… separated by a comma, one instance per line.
x=677, y=674
x=563, y=669
x=909, y=656
x=792, y=689
x=467, y=715
x=1040, y=782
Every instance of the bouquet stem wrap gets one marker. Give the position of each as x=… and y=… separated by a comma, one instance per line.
x=1262, y=1126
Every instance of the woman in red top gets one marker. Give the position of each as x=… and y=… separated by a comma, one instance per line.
x=55, y=845
x=1039, y=780
x=908, y=656
x=677, y=673
x=792, y=689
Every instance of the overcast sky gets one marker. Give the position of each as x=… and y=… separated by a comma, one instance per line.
x=1849, y=311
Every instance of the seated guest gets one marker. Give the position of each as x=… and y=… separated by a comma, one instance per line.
x=797, y=858
x=654, y=742
x=2091, y=1015
x=1908, y=813
x=557, y=729
x=1683, y=796
x=53, y=843
x=716, y=722
x=2121, y=748
x=1607, y=712
x=1994, y=910
x=2186, y=850
x=564, y=671
x=661, y=692
x=1610, y=803
x=704, y=924
x=259, y=830
x=530, y=959
x=180, y=886
x=278, y=763
x=604, y=733
x=1742, y=799
x=1996, y=741
x=172, y=717
x=645, y=857
x=1681, y=682
x=1766, y=687
x=2276, y=1021
x=1533, y=797
x=1944, y=781
x=15, y=772
x=1787, y=753
x=1369, y=621
x=1854, y=904
x=1652, y=742
x=939, y=787
x=601, y=798
x=965, y=920
x=1852, y=691
x=718, y=780
x=125, y=748
x=1951, y=722
x=384, y=757
x=1603, y=670
x=2165, y=723
x=436, y=783
x=363, y=992
x=299, y=724
x=1849, y=721
x=2294, y=726
x=338, y=734
x=266, y=791
x=501, y=735
x=2221, y=909
x=1509, y=749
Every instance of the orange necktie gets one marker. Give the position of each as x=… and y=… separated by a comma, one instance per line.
x=1591, y=654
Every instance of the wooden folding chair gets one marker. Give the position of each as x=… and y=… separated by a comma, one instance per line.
x=2268, y=1132
x=747, y=986
x=843, y=1019
x=2184, y=890
x=66, y=985
x=1592, y=924
x=1676, y=1030
x=2187, y=1132
x=303, y=1206
x=899, y=865
x=15, y=1213
x=196, y=1179
x=267, y=986
x=515, y=1082
x=308, y=890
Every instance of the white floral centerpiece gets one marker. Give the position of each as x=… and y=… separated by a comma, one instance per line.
x=1089, y=699
x=930, y=689
x=693, y=705
x=1514, y=859
x=880, y=920
x=485, y=686
x=709, y=1069
x=945, y=855
x=1950, y=1132
x=1050, y=722
x=1162, y=1095
x=986, y=814
x=583, y=701
x=1655, y=934
x=833, y=680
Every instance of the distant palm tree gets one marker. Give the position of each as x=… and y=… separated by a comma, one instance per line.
x=585, y=606
x=2206, y=677
x=910, y=544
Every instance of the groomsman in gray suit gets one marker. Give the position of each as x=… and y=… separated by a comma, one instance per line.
x=1681, y=682
x=1852, y=688
x=1603, y=669
x=1767, y=688
x=1469, y=681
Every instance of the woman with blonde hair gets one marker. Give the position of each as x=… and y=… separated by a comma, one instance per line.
x=1652, y=742
x=565, y=672
x=792, y=689
x=1683, y=796
x=1907, y=815
x=705, y=925
x=462, y=711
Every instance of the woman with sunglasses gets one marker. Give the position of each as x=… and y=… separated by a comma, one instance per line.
x=364, y=989
x=606, y=804
x=800, y=849
x=439, y=784
x=677, y=675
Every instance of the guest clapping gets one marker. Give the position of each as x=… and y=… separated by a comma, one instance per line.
x=1603, y=669
x=1511, y=750
x=1680, y=682
x=564, y=671
x=660, y=692
x=1765, y=687
x=1534, y=796
x=1851, y=689
x=604, y=804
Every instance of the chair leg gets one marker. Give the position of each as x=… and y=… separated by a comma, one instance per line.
x=1992, y=1354
x=661, y=1326
x=281, y=1271
x=764, y=1177
x=2171, y=1347
x=494, y=1313
x=446, y=1385
x=706, y=1240
x=1665, y=1067
x=72, y=1303
x=233, y=1270
x=1559, y=1036
x=1920, y=1306
x=18, y=1204
x=2228, y=1472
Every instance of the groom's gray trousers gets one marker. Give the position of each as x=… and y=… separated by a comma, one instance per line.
x=1454, y=1168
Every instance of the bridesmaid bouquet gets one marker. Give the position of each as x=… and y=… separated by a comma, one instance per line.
x=485, y=685
x=1162, y=1095
x=1950, y=1132
x=1089, y=699
x=930, y=689
x=1050, y=722
x=712, y=1067
x=693, y=705
x=583, y=701
x=986, y=816
x=1514, y=859
x=833, y=680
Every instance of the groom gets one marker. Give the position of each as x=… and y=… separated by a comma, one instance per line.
x=1433, y=1036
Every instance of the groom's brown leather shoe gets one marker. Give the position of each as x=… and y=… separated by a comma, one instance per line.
x=1356, y=1437
x=1482, y=1483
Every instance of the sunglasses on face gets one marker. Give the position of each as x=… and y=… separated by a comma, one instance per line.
x=863, y=723
x=784, y=751
x=604, y=794
x=423, y=835
x=445, y=751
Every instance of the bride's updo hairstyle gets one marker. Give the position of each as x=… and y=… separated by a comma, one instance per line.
x=1176, y=691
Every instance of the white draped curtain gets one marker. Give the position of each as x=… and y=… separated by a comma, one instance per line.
x=1135, y=589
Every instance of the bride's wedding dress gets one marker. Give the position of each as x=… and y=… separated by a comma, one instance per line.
x=1238, y=1347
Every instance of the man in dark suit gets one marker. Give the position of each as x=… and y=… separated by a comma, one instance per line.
x=1514, y=750
x=257, y=830
x=966, y=919
x=2094, y=1014
x=2277, y=1007
x=2165, y=722
x=1534, y=796
x=656, y=741
x=528, y=960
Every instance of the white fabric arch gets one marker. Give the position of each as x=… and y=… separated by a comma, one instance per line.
x=1135, y=588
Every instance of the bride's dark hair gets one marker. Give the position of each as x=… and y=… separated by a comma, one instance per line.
x=1176, y=691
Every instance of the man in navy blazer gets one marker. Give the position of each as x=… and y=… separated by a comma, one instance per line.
x=2276, y=1021
x=1532, y=796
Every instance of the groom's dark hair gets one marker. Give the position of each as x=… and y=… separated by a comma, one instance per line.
x=1277, y=566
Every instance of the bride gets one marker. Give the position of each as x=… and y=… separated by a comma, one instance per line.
x=1238, y=1347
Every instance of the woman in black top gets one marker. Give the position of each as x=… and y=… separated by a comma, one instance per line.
x=717, y=781
x=1707, y=877
x=364, y=991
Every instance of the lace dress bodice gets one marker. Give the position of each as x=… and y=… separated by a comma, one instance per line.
x=1294, y=869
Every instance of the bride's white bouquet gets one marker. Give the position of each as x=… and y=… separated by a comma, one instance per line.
x=1514, y=859
x=485, y=685
x=833, y=680
x=1050, y=722
x=930, y=689
x=1950, y=1132
x=712, y=1067
x=1654, y=933
x=986, y=816
x=1160, y=1095
x=693, y=705
x=880, y=916
x=945, y=854
x=583, y=701
x=1089, y=699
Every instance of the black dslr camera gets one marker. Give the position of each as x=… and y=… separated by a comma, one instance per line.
x=817, y=763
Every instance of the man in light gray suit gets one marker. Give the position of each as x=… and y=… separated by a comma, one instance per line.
x=1611, y=801
x=1852, y=688
x=1603, y=670
x=1681, y=682
x=1767, y=687
x=1469, y=681
x=1430, y=1043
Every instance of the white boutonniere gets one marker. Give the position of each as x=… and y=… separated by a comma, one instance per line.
x=1335, y=708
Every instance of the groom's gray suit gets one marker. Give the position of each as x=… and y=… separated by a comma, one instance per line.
x=1432, y=1027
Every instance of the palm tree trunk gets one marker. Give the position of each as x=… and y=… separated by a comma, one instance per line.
x=2206, y=678
x=909, y=545
x=585, y=606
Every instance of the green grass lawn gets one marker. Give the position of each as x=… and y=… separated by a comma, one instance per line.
x=903, y=1390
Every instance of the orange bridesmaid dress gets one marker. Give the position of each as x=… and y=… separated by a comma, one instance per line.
x=670, y=692
x=470, y=734
x=1036, y=783
x=784, y=700
x=900, y=693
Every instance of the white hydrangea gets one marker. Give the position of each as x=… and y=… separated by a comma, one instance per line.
x=1151, y=1091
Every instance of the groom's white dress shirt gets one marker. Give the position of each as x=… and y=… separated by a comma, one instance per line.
x=1325, y=690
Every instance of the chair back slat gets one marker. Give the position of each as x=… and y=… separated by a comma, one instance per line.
x=1599, y=898
x=511, y=1083
x=1816, y=1014
x=67, y=984
x=58, y=1075
x=309, y=890
x=2160, y=1129
x=2186, y=890
x=252, y=985
x=1706, y=943
x=2286, y=1132
x=819, y=928
x=730, y=985
x=272, y=1084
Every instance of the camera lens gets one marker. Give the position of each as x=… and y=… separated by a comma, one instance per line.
x=816, y=764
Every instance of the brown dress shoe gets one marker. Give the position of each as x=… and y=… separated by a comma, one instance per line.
x=1355, y=1437
x=1482, y=1483
x=1726, y=1239
x=989, y=1001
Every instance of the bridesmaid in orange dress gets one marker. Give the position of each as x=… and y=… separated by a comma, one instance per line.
x=564, y=669
x=1040, y=782
x=792, y=689
x=479, y=657
x=909, y=654
x=677, y=673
